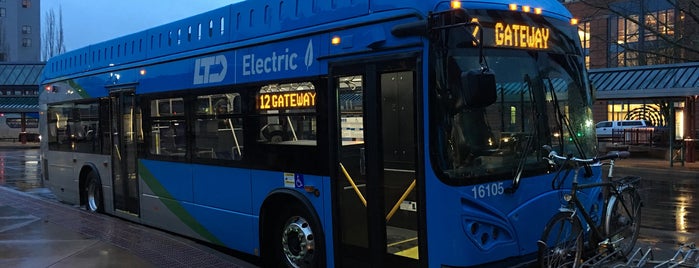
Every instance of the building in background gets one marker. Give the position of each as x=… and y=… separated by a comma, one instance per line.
x=19, y=101
x=643, y=57
x=630, y=33
x=20, y=68
x=20, y=31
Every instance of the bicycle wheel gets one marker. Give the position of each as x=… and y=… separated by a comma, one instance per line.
x=563, y=238
x=623, y=220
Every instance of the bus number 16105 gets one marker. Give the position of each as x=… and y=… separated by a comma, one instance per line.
x=488, y=190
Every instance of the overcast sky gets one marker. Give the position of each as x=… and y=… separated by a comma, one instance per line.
x=93, y=21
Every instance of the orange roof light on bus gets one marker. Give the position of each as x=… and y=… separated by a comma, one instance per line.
x=526, y=9
x=336, y=40
x=513, y=7
x=455, y=4
x=573, y=21
x=538, y=10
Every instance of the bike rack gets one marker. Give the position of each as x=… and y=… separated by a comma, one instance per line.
x=603, y=257
x=638, y=258
x=686, y=256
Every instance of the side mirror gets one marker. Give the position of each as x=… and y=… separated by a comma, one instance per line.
x=478, y=88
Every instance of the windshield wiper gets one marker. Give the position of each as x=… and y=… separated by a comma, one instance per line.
x=530, y=141
x=564, y=121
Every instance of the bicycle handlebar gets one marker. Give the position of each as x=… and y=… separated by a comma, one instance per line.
x=611, y=155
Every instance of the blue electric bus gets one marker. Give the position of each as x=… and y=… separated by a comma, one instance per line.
x=329, y=133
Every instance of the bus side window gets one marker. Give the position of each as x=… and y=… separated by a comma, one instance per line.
x=218, y=130
x=168, y=130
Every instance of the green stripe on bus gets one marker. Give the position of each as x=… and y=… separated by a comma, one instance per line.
x=175, y=206
x=78, y=89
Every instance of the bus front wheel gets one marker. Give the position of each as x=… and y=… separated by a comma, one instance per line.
x=296, y=240
x=94, y=193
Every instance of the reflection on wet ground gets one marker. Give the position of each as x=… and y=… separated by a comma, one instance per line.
x=19, y=169
x=670, y=205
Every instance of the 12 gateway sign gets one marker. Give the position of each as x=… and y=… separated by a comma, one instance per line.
x=521, y=36
x=286, y=100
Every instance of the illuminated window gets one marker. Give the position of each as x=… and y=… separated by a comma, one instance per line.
x=635, y=111
x=584, y=32
x=628, y=29
x=660, y=23
x=634, y=42
x=627, y=35
x=627, y=58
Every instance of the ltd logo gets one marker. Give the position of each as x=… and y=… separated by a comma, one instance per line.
x=210, y=69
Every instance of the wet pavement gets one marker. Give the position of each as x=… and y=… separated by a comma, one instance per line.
x=670, y=215
x=28, y=241
x=19, y=168
x=38, y=231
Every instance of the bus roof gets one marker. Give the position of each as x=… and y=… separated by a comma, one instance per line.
x=252, y=19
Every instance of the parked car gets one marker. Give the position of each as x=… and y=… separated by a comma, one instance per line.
x=606, y=129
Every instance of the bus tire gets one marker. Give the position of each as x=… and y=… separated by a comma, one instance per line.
x=296, y=239
x=93, y=192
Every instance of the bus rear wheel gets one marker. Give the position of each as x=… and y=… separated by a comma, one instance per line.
x=93, y=191
x=296, y=240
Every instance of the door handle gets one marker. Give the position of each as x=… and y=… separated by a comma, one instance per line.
x=362, y=161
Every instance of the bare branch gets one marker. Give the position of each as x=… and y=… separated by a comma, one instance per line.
x=53, y=34
x=678, y=40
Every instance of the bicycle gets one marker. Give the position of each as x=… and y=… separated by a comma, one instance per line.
x=565, y=243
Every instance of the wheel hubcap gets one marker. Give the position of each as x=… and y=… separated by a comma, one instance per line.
x=298, y=242
x=92, y=197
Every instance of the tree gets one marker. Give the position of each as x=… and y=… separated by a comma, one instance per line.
x=642, y=32
x=53, y=34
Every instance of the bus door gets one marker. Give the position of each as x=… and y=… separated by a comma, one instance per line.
x=125, y=117
x=376, y=185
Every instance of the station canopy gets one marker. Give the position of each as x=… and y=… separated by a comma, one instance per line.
x=18, y=77
x=651, y=81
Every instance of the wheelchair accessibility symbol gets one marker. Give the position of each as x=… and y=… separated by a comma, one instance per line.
x=298, y=180
x=292, y=180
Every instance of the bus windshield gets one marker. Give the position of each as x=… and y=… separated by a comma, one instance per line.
x=542, y=97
